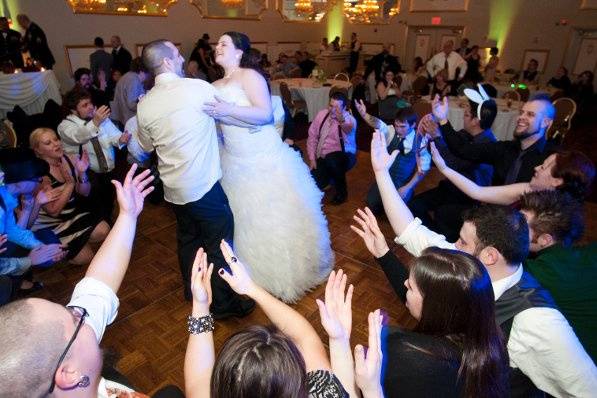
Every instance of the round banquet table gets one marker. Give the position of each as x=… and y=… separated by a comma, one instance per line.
x=505, y=120
x=29, y=90
x=317, y=97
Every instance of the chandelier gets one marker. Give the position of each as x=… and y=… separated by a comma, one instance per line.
x=369, y=7
x=303, y=7
x=232, y=3
x=122, y=7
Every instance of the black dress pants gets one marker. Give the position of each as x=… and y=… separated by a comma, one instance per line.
x=102, y=196
x=204, y=223
x=334, y=167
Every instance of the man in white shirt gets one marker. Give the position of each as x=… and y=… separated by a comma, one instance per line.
x=49, y=349
x=542, y=347
x=450, y=60
x=89, y=129
x=172, y=122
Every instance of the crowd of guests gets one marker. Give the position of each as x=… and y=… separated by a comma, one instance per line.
x=508, y=309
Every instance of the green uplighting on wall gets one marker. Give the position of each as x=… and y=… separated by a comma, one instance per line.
x=335, y=18
x=501, y=18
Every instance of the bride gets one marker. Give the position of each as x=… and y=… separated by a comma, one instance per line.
x=280, y=228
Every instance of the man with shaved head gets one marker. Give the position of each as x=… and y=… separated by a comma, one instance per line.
x=515, y=160
x=50, y=349
x=449, y=60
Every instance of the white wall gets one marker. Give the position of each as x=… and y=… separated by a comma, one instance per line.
x=532, y=26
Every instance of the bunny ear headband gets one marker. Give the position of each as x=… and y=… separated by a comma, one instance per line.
x=478, y=97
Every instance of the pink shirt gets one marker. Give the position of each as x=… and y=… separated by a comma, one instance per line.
x=331, y=138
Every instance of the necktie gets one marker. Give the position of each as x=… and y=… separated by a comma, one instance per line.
x=514, y=169
x=447, y=67
x=99, y=153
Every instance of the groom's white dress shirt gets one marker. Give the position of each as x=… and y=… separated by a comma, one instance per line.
x=171, y=120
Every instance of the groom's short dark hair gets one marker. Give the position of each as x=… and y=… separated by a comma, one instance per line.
x=154, y=53
x=339, y=96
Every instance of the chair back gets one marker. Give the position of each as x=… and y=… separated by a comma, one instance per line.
x=8, y=137
x=525, y=93
x=419, y=86
x=511, y=95
x=286, y=95
x=565, y=111
x=342, y=76
x=422, y=108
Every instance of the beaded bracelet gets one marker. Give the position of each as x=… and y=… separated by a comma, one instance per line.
x=200, y=325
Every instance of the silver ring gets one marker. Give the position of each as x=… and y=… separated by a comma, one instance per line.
x=233, y=259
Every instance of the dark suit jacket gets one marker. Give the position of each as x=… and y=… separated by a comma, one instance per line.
x=100, y=60
x=10, y=48
x=121, y=60
x=35, y=41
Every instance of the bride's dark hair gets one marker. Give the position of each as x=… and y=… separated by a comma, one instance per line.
x=241, y=42
x=251, y=56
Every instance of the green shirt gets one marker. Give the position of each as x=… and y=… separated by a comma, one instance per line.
x=570, y=275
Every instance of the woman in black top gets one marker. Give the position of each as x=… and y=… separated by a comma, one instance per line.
x=456, y=348
x=473, y=61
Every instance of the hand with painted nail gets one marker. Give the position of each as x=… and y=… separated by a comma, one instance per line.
x=238, y=278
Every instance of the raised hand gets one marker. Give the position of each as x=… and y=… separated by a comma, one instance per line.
x=381, y=160
x=132, y=192
x=219, y=108
x=201, y=280
x=360, y=105
x=336, y=312
x=430, y=127
x=368, y=365
x=82, y=162
x=239, y=279
x=101, y=114
x=440, y=108
x=439, y=161
x=370, y=232
x=124, y=138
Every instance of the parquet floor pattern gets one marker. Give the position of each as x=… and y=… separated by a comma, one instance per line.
x=149, y=335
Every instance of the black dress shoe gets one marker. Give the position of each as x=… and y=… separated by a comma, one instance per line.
x=242, y=309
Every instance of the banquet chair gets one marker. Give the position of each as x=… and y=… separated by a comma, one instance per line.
x=342, y=76
x=565, y=110
x=420, y=86
x=293, y=105
x=421, y=108
x=512, y=95
x=525, y=93
x=8, y=137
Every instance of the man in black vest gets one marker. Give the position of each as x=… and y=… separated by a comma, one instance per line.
x=544, y=353
x=10, y=45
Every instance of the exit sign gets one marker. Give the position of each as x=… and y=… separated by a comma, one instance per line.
x=436, y=20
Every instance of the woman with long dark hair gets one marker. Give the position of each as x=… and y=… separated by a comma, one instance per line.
x=280, y=230
x=456, y=349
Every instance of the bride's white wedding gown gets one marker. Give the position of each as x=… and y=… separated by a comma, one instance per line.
x=280, y=231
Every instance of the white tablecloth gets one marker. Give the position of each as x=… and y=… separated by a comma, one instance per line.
x=317, y=98
x=503, y=126
x=29, y=90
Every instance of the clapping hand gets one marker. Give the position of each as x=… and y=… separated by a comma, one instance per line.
x=368, y=365
x=132, y=192
x=48, y=195
x=201, y=280
x=439, y=161
x=219, y=108
x=239, y=279
x=101, y=114
x=370, y=232
x=440, y=108
x=82, y=162
x=124, y=138
x=430, y=127
x=336, y=312
x=381, y=160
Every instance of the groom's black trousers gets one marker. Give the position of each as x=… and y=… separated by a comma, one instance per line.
x=204, y=223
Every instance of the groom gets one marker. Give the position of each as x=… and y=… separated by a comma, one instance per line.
x=172, y=122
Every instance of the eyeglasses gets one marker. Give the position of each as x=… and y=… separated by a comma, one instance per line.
x=79, y=313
